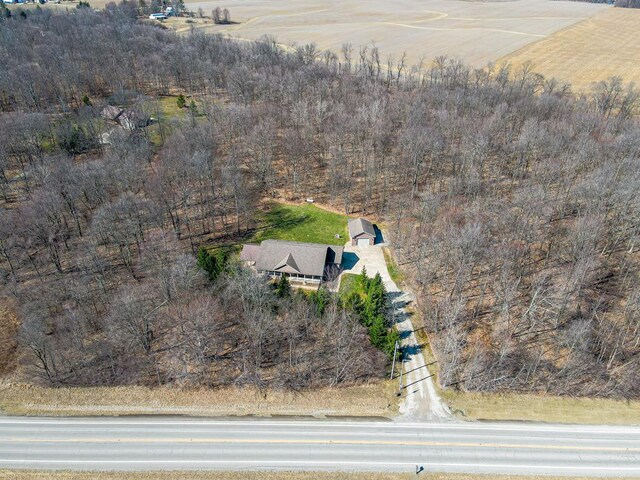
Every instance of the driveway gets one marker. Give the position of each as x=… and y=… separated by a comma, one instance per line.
x=420, y=401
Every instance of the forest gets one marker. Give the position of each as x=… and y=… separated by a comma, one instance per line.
x=512, y=205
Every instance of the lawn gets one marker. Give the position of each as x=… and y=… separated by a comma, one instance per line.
x=167, y=113
x=347, y=284
x=301, y=223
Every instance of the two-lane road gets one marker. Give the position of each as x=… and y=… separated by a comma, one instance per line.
x=188, y=444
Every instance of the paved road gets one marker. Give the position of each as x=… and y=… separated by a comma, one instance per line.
x=172, y=443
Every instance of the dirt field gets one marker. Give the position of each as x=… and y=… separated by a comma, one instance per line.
x=605, y=45
x=477, y=32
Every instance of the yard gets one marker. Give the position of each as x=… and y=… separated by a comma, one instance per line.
x=348, y=284
x=301, y=223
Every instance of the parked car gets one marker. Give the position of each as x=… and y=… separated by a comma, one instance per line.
x=157, y=16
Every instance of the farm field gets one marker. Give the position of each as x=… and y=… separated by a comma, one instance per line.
x=476, y=32
x=605, y=45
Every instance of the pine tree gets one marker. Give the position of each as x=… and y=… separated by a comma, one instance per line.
x=283, y=287
x=375, y=304
x=363, y=280
x=354, y=303
x=180, y=101
x=210, y=263
x=378, y=332
x=321, y=298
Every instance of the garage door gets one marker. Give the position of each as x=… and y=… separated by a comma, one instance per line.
x=363, y=242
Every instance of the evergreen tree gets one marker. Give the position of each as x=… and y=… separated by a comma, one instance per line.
x=180, y=101
x=363, y=280
x=378, y=332
x=354, y=303
x=375, y=304
x=321, y=298
x=213, y=264
x=283, y=287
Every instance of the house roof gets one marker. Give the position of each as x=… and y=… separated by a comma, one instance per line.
x=295, y=257
x=359, y=226
x=250, y=252
x=111, y=112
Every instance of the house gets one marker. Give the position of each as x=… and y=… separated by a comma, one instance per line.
x=132, y=120
x=111, y=113
x=129, y=119
x=300, y=262
x=361, y=232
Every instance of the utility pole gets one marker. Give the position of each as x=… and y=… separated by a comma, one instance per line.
x=393, y=363
x=401, y=372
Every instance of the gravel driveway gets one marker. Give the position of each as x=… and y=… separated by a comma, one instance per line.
x=420, y=401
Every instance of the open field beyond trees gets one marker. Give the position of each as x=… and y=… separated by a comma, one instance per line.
x=605, y=45
x=476, y=32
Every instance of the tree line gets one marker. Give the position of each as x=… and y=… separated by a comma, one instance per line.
x=511, y=201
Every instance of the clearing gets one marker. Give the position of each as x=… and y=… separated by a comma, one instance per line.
x=301, y=223
x=603, y=46
x=476, y=32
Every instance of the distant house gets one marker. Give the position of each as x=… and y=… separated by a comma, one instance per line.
x=302, y=262
x=129, y=119
x=111, y=113
x=361, y=232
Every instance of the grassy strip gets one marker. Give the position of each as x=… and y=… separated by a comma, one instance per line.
x=65, y=475
x=541, y=408
x=302, y=223
x=375, y=399
x=394, y=271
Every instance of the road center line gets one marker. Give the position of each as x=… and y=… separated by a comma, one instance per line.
x=243, y=441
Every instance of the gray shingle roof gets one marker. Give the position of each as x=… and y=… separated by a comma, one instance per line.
x=296, y=257
x=250, y=252
x=358, y=226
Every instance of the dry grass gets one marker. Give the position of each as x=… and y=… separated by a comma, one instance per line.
x=603, y=46
x=373, y=400
x=540, y=408
x=30, y=474
x=8, y=327
x=477, y=32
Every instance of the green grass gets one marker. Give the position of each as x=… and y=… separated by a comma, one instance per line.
x=394, y=272
x=302, y=223
x=165, y=111
x=347, y=284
